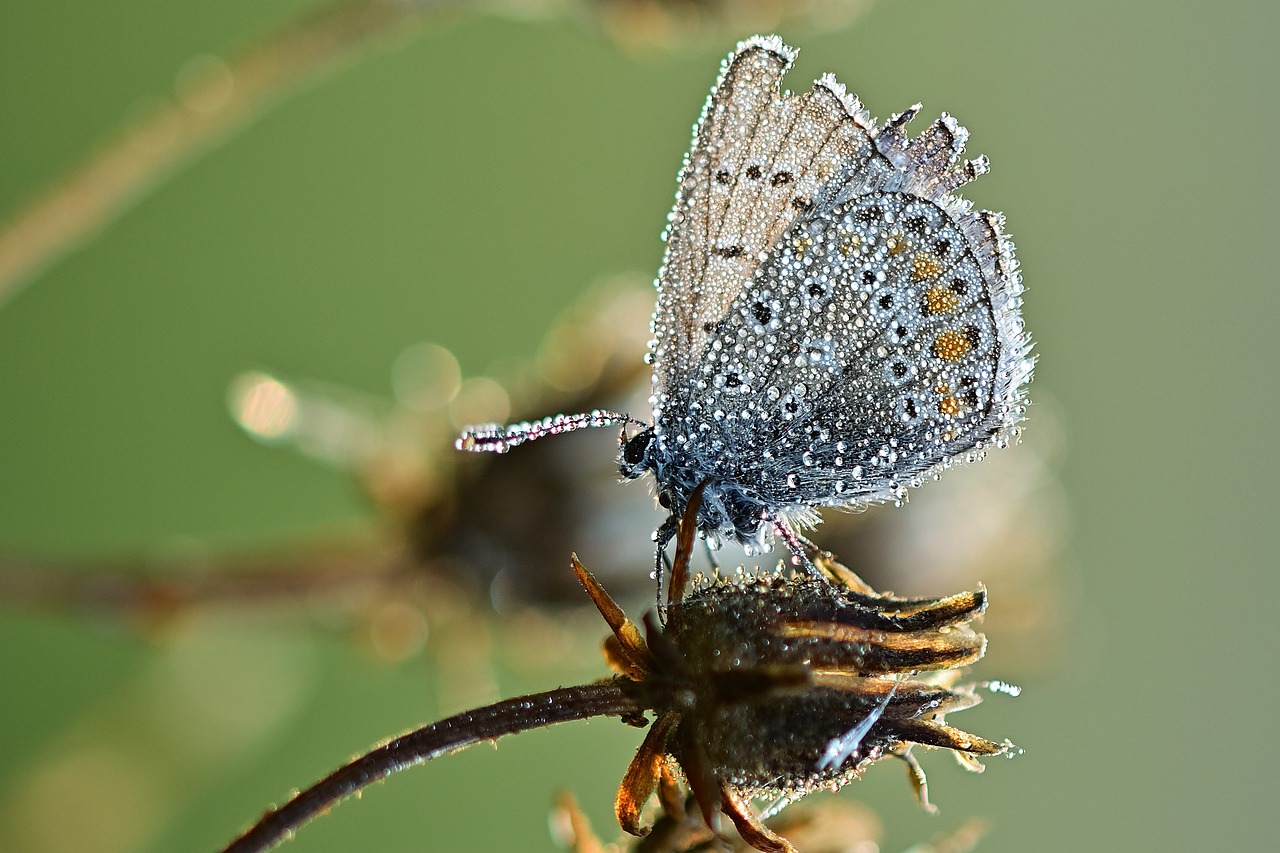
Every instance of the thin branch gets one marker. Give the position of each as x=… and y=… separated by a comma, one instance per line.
x=510, y=716
x=130, y=588
x=177, y=131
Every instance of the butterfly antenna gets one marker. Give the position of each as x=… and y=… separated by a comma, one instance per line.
x=496, y=438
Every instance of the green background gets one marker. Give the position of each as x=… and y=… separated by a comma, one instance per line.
x=463, y=187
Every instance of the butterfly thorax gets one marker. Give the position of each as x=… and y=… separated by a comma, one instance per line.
x=729, y=511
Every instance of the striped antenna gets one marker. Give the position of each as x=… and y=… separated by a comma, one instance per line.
x=496, y=438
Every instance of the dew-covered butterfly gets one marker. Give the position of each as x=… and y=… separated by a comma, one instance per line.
x=834, y=324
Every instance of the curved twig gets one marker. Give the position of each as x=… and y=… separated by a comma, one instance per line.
x=606, y=698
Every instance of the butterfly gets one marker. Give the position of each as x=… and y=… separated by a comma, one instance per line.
x=834, y=323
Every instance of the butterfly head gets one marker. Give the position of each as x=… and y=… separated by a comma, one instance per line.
x=635, y=455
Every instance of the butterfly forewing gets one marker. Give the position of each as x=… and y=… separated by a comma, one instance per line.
x=758, y=162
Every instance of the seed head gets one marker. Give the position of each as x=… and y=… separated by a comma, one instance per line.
x=772, y=686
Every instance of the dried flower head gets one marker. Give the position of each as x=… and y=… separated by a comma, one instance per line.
x=766, y=686
x=759, y=686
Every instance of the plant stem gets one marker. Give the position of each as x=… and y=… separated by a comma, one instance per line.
x=510, y=716
x=138, y=587
x=151, y=149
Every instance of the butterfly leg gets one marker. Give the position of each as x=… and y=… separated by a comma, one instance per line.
x=711, y=555
x=662, y=537
x=799, y=548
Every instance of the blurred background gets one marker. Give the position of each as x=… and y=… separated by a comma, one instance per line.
x=338, y=252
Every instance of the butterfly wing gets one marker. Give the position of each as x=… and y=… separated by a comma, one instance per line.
x=759, y=161
x=881, y=337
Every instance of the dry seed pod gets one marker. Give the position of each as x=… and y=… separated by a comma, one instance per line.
x=776, y=687
x=759, y=685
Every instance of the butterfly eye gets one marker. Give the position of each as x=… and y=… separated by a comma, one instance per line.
x=731, y=381
x=635, y=453
x=884, y=304
x=902, y=329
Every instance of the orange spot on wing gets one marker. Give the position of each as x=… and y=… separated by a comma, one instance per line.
x=925, y=265
x=952, y=345
x=940, y=300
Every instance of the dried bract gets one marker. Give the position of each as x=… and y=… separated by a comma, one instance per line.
x=771, y=686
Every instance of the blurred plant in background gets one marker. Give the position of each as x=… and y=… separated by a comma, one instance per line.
x=831, y=826
x=216, y=97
